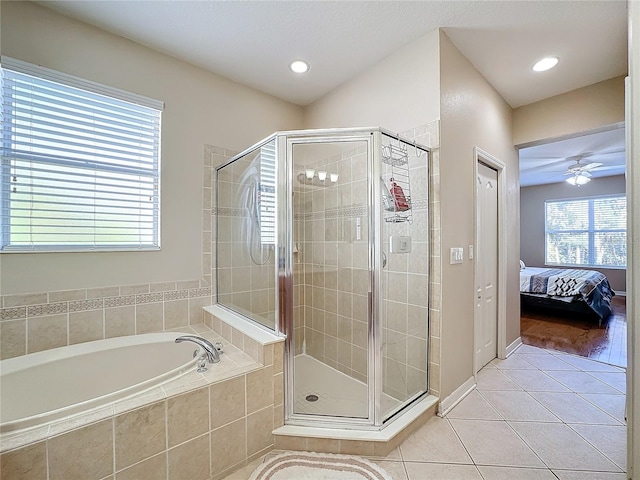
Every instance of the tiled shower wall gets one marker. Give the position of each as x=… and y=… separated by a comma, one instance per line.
x=332, y=264
x=406, y=340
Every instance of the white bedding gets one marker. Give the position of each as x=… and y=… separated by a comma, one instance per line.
x=525, y=277
x=559, y=281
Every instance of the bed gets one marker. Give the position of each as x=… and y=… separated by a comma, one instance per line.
x=571, y=290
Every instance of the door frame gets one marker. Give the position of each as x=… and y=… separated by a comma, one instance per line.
x=480, y=156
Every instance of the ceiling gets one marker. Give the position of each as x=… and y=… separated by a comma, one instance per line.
x=253, y=42
x=548, y=163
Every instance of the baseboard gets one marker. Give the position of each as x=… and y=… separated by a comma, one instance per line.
x=456, y=397
x=512, y=347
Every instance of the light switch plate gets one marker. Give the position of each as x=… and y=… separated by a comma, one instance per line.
x=456, y=256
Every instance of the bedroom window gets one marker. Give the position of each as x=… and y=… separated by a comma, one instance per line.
x=80, y=164
x=589, y=232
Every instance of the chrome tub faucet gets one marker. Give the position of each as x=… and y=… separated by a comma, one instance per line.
x=213, y=356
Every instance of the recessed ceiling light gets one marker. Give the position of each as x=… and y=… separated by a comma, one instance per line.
x=299, y=66
x=545, y=64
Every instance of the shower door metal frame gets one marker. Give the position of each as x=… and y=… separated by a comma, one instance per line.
x=285, y=273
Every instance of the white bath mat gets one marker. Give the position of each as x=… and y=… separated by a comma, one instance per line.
x=318, y=466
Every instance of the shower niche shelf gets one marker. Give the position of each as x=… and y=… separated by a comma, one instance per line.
x=396, y=186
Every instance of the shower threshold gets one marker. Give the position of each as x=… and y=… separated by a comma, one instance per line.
x=349, y=441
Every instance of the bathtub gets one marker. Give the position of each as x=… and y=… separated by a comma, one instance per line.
x=48, y=385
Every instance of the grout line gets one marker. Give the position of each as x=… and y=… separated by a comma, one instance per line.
x=460, y=439
x=595, y=446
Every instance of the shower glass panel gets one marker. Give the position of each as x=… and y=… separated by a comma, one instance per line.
x=331, y=277
x=323, y=235
x=404, y=292
x=246, y=233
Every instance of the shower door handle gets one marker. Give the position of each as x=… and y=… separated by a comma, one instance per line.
x=384, y=259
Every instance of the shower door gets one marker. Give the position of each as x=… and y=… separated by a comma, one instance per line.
x=330, y=261
x=403, y=316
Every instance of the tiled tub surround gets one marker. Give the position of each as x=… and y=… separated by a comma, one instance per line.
x=199, y=426
x=40, y=321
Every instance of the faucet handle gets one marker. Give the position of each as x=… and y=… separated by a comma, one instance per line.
x=219, y=347
x=202, y=365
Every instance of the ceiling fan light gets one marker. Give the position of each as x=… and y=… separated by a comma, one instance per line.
x=582, y=179
x=578, y=179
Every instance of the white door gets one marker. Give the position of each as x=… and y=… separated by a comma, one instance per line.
x=486, y=314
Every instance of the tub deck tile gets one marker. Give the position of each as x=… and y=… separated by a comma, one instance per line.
x=136, y=401
x=77, y=421
x=20, y=438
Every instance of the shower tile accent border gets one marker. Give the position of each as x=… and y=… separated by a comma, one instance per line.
x=31, y=306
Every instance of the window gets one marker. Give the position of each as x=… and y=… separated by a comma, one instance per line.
x=587, y=232
x=79, y=164
x=268, y=193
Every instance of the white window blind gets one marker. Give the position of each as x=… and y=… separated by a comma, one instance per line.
x=268, y=193
x=80, y=164
x=587, y=232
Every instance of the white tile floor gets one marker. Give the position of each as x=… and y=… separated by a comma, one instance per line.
x=538, y=415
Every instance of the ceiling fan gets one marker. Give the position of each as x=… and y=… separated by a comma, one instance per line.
x=580, y=173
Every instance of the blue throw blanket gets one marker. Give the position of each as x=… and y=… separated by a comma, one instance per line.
x=593, y=287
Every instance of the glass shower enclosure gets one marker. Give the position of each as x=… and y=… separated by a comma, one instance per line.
x=323, y=236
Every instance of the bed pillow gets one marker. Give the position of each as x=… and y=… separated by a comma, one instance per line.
x=522, y=265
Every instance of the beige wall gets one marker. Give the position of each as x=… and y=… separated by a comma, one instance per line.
x=581, y=110
x=532, y=212
x=633, y=277
x=472, y=114
x=397, y=93
x=200, y=108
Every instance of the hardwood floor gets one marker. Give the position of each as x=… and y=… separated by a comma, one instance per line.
x=580, y=336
